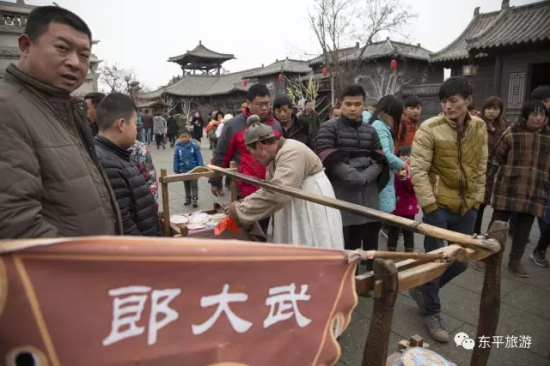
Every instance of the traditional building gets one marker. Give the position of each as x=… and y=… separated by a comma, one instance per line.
x=276, y=75
x=504, y=53
x=13, y=18
x=201, y=59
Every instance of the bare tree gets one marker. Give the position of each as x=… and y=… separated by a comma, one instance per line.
x=337, y=23
x=301, y=91
x=117, y=78
x=383, y=82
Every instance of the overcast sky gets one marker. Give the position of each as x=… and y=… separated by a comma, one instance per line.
x=143, y=34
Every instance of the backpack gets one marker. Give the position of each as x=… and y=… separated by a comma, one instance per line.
x=212, y=133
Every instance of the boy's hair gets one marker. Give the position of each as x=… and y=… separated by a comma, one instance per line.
x=404, y=151
x=184, y=132
x=412, y=102
x=541, y=93
x=532, y=106
x=40, y=19
x=281, y=101
x=455, y=85
x=257, y=90
x=113, y=107
x=354, y=90
x=95, y=97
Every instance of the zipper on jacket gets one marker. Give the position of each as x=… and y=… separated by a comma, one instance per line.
x=460, y=168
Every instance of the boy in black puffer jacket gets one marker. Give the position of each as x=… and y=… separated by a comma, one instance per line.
x=117, y=123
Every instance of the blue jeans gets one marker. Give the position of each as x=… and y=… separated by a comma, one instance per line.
x=147, y=135
x=450, y=221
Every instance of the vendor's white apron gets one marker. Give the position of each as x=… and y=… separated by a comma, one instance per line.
x=310, y=224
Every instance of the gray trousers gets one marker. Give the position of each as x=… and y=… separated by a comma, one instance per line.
x=191, y=189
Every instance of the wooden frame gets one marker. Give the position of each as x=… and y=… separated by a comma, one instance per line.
x=389, y=278
x=168, y=228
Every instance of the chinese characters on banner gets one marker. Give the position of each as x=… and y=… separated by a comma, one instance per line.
x=123, y=301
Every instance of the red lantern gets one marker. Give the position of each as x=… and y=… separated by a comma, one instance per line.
x=393, y=65
x=325, y=71
x=281, y=78
x=245, y=83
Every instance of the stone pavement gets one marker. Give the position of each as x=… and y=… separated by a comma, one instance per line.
x=525, y=307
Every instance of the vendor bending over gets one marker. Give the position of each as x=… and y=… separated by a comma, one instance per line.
x=289, y=164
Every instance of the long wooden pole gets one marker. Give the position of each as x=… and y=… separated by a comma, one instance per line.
x=425, y=229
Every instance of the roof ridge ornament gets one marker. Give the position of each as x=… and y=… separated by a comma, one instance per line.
x=505, y=4
x=476, y=11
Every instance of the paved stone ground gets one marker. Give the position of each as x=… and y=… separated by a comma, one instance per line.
x=525, y=308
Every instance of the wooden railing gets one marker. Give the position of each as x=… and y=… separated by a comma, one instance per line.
x=389, y=278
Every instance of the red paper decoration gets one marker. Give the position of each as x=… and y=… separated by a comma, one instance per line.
x=245, y=83
x=393, y=65
x=325, y=71
x=281, y=78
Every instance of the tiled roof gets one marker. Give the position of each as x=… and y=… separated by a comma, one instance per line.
x=16, y=8
x=283, y=66
x=421, y=90
x=203, y=85
x=515, y=25
x=343, y=52
x=202, y=52
x=457, y=50
x=387, y=48
x=151, y=103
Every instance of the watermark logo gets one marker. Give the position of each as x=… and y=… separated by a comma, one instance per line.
x=510, y=341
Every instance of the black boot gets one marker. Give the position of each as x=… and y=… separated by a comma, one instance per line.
x=195, y=202
x=187, y=201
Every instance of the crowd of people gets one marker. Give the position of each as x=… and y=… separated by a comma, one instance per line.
x=82, y=171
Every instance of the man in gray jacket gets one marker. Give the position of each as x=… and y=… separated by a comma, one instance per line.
x=52, y=184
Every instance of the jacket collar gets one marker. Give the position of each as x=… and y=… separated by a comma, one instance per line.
x=349, y=122
x=408, y=120
x=14, y=74
x=454, y=125
x=109, y=145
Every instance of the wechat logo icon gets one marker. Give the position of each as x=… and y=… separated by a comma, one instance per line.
x=463, y=340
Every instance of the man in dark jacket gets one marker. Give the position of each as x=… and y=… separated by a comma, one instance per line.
x=310, y=117
x=147, y=121
x=52, y=184
x=92, y=101
x=117, y=122
x=360, y=172
x=293, y=128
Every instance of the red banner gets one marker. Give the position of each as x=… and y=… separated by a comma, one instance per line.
x=129, y=301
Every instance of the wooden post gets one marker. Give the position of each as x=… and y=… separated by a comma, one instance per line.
x=489, y=307
x=386, y=289
x=234, y=192
x=165, y=203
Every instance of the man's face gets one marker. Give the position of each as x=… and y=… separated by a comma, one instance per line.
x=283, y=114
x=455, y=106
x=59, y=57
x=260, y=106
x=244, y=106
x=546, y=103
x=259, y=153
x=128, y=130
x=92, y=111
x=413, y=112
x=352, y=107
x=309, y=107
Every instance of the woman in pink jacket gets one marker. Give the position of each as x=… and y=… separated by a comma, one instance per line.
x=406, y=205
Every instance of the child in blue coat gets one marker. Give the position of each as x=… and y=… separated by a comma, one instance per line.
x=187, y=156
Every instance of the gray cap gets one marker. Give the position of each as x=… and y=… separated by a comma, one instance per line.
x=257, y=131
